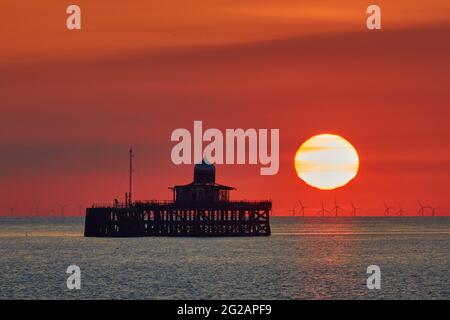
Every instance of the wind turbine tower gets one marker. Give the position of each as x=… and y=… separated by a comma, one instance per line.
x=302, y=208
x=62, y=208
x=433, y=211
x=336, y=208
x=387, y=209
x=354, y=210
x=422, y=208
x=322, y=211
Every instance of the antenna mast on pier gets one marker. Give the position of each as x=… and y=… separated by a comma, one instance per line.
x=131, y=177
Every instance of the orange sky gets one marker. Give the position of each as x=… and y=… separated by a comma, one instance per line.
x=72, y=102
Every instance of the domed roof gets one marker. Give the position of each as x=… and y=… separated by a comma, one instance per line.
x=204, y=173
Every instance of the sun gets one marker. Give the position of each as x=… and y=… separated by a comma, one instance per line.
x=326, y=162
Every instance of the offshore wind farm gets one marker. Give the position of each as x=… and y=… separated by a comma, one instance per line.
x=327, y=240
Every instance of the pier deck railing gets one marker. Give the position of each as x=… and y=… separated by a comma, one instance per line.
x=139, y=203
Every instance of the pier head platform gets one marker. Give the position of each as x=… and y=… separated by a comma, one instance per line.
x=199, y=209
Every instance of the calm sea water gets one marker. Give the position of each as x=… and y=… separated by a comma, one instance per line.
x=305, y=258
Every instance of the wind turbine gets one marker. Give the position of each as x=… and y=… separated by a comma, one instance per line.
x=336, y=207
x=292, y=211
x=322, y=211
x=433, y=211
x=62, y=207
x=400, y=211
x=354, y=210
x=422, y=208
x=302, y=208
x=387, y=209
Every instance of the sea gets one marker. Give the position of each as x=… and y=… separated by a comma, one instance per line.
x=304, y=258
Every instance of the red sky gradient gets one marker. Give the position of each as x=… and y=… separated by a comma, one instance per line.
x=73, y=102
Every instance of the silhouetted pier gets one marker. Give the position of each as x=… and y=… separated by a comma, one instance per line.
x=200, y=209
